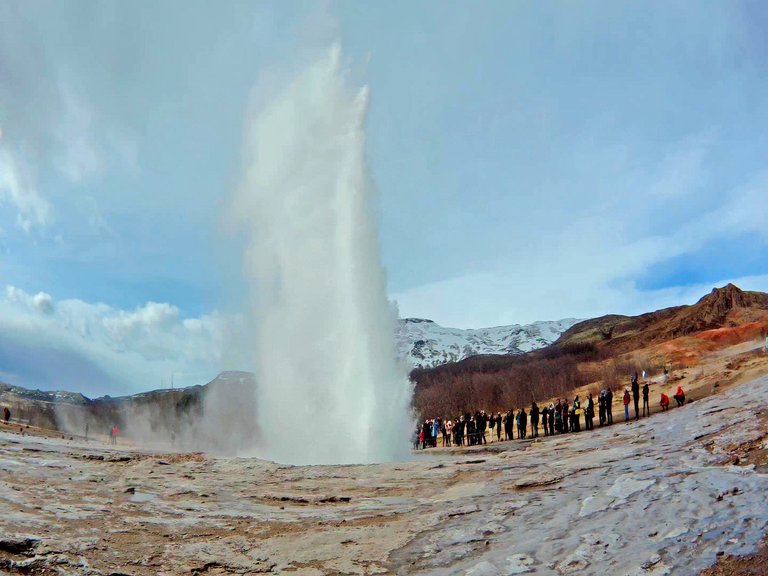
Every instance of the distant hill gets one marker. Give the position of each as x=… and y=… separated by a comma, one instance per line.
x=426, y=344
x=728, y=306
x=70, y=410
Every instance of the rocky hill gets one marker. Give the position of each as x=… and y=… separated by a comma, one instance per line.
x=425, y=344
x=724, y=307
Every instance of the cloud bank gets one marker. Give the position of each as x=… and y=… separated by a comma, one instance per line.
x=96, y=349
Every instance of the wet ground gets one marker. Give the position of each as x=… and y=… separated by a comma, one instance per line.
x=669, y=494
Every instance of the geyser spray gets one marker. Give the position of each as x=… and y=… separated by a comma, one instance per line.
x=329, y=387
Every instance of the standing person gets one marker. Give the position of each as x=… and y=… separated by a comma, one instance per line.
x=524, y=422
x=609, y=405
x=115, y=434
x=426, y=432
x=498, y=426
x=551, y=419
x=545, y=420
x=664, y=403
x=679, y=396
x=646, y=408
x=566, y=417
x=601, y=407
x=6, y=414
x=534, y=420
x=576, y=414
x=636, y=395
x=86, y=431
x=467, y=420
x=589, y=413
x=446, y=430
x=508, y=427
x=458, y=438
x=435, y=431
x=626, y=404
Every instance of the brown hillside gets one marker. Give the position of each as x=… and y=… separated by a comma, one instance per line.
x=598, y=352
x=723, y=307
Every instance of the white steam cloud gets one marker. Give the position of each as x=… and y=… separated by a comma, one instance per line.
x=328, y=386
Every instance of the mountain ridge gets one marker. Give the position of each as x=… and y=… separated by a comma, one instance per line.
x=424, y=343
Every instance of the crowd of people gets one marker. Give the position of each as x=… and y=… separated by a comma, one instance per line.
x=559, y=417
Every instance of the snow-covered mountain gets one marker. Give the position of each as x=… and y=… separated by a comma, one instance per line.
x=423, y=343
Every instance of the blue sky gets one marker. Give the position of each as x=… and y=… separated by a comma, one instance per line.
x=533, y=161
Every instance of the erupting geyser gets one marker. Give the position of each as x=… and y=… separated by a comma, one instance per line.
x=329, y=387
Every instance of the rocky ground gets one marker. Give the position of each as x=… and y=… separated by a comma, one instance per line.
x=670, y=494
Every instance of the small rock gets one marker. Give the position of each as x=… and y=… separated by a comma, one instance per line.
x=720, y=553
x=23, y=545
x=735, y=460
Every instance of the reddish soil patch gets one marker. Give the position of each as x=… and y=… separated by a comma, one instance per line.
x=752, y=565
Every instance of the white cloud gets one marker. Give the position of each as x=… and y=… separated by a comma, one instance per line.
x=133, y=349
x=550, y=300
x=17, y=188
x=589, y=268
x=78, y=155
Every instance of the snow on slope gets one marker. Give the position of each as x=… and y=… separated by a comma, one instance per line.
x=423, y=343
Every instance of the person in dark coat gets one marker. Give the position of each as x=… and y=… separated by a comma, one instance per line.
x=646, y=407
x=566, y=417
x=576, y=414
x=427, y=429
x=509, y=425
x=457, y=431
x=636, y=395
x=551, y=419
x=524, y=422
x=589, y=413
x=609, y=405
x=471, y=432
x=534, y=420
x=545, y=420
x=601, y=407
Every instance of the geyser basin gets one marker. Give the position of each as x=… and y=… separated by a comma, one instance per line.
x=329, y=387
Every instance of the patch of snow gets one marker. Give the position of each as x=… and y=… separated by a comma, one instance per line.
x=423, y=343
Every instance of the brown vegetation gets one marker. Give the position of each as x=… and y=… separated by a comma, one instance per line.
x=498, y=383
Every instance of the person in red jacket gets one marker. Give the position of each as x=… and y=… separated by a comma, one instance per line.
x=664, y=402
x=627, y=399
x=679, y=396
